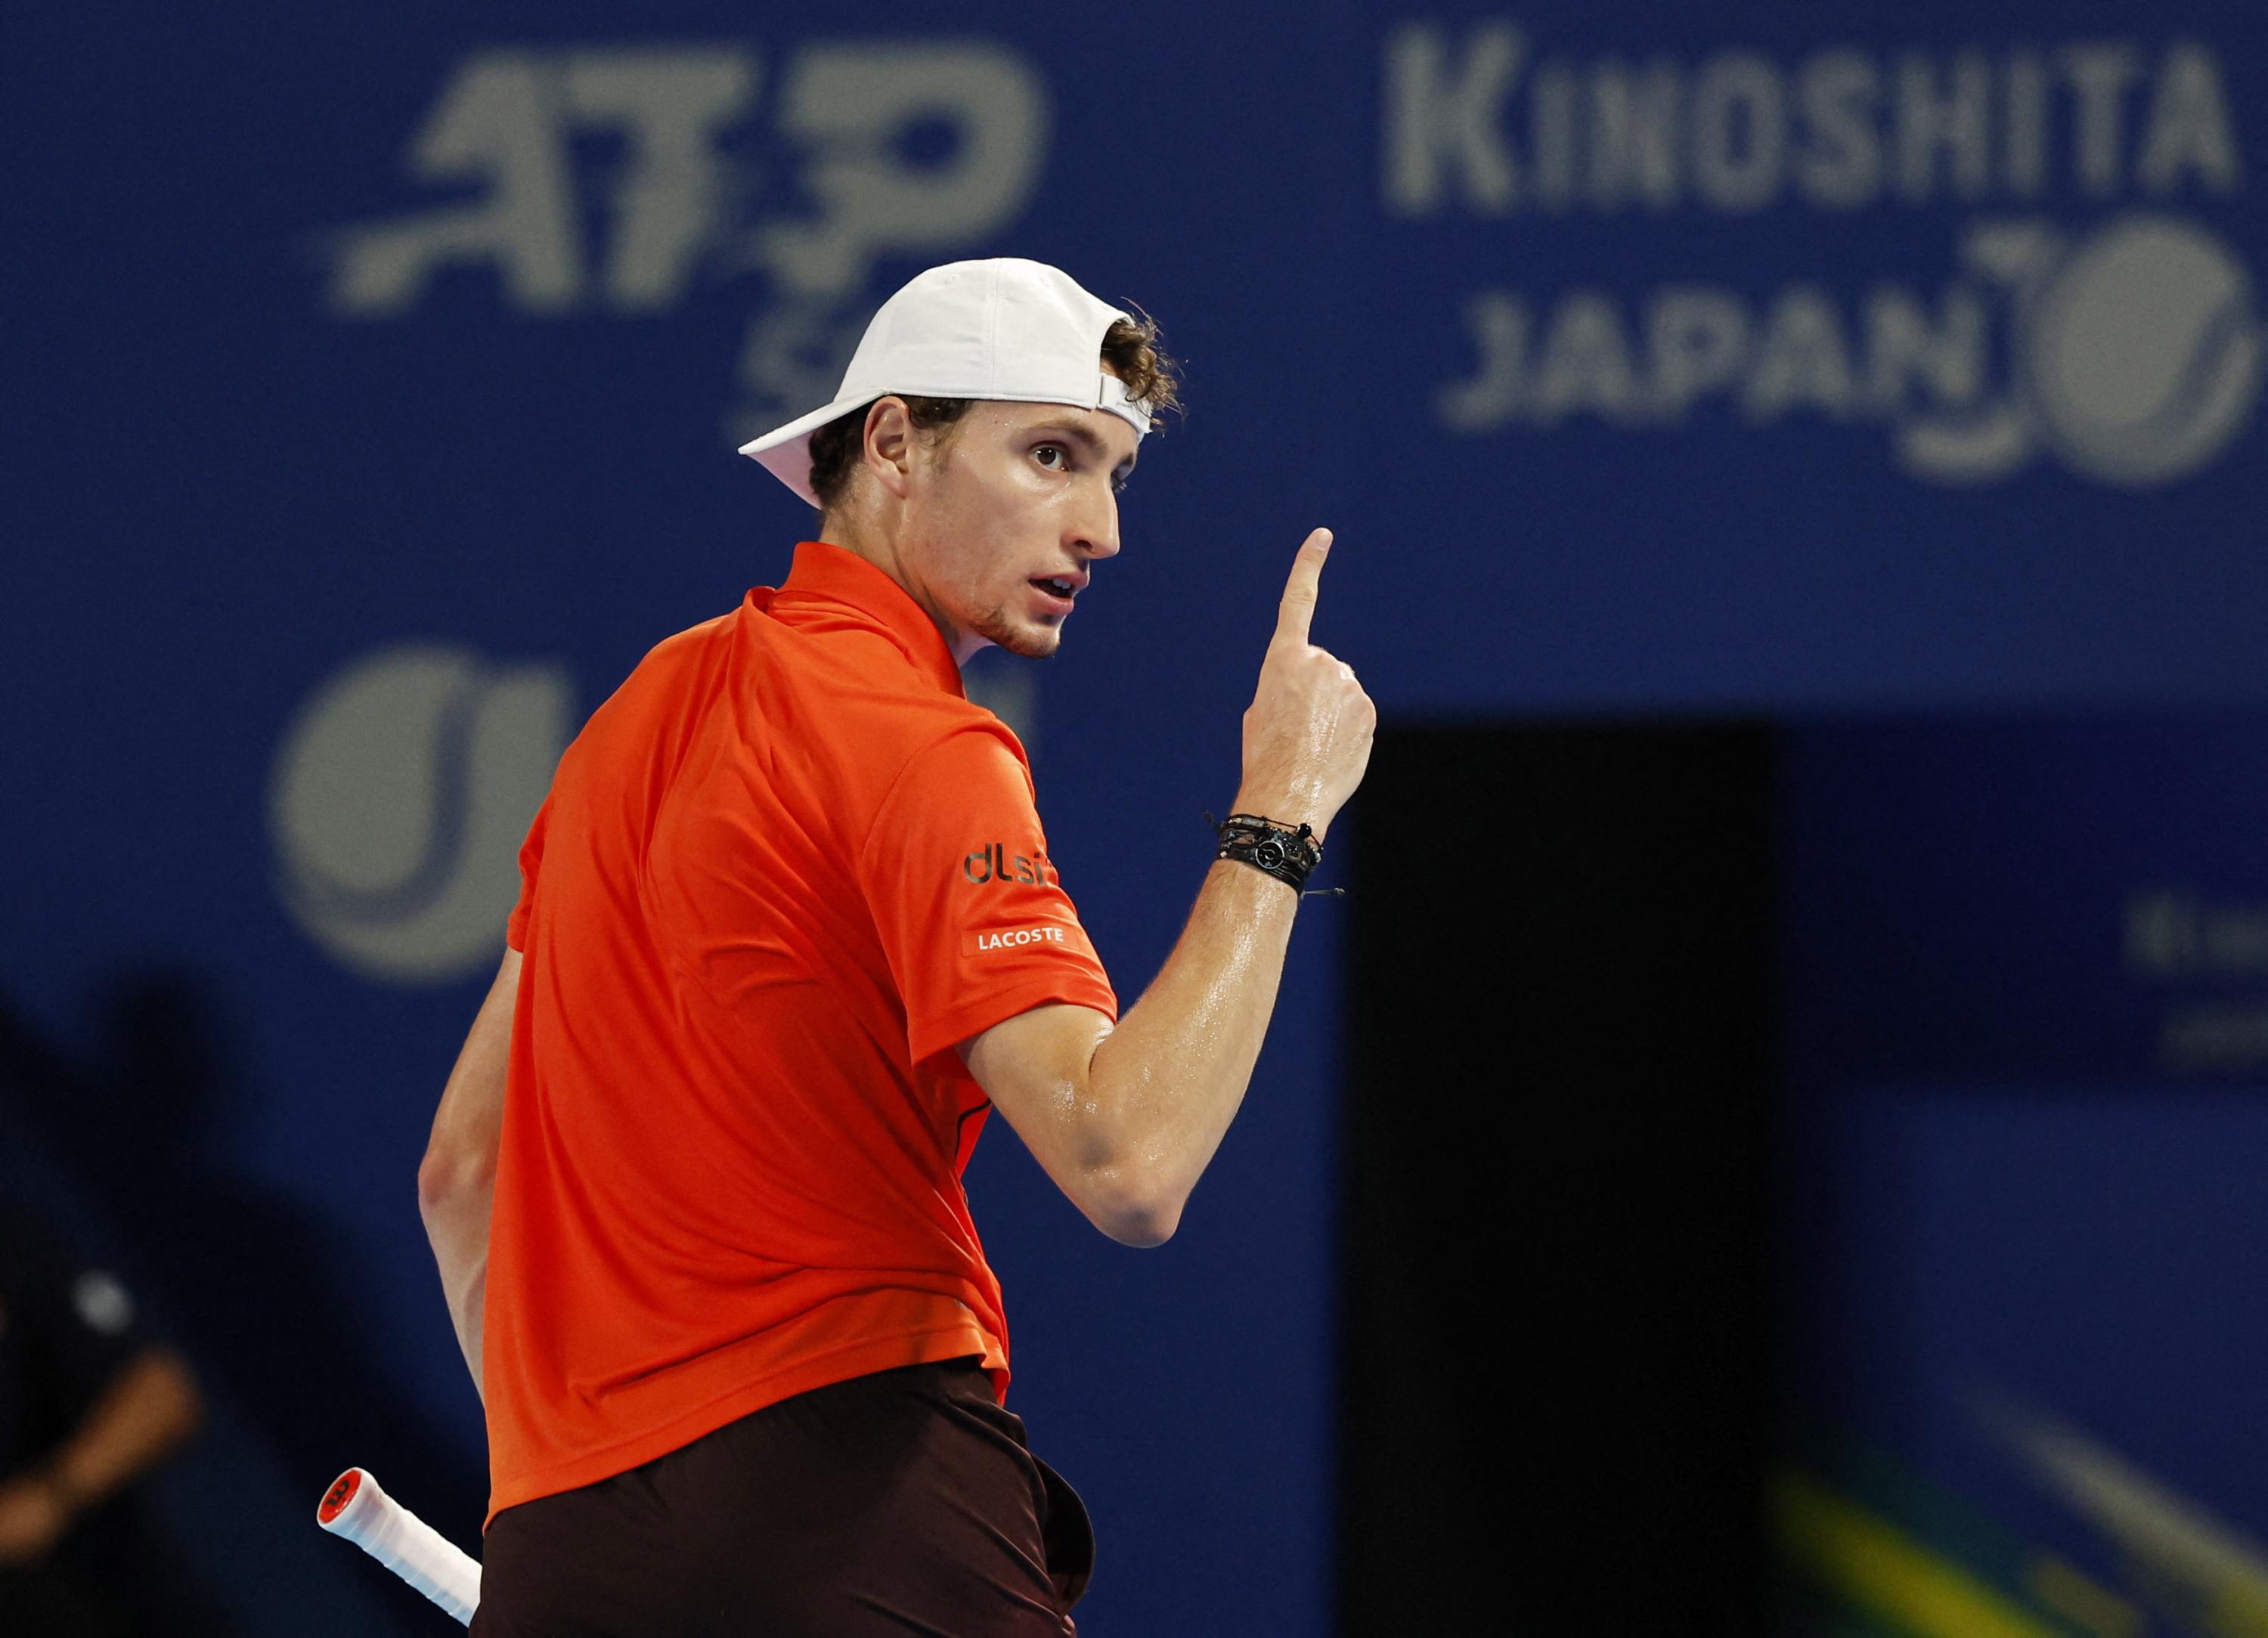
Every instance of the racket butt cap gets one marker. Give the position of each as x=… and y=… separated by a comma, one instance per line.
x=340, y=1496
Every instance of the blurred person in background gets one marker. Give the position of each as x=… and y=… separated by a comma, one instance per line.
x=89, y=1403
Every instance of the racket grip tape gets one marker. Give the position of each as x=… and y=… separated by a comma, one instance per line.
x=356, y=1508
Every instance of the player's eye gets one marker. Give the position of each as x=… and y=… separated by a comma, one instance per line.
x=1062, y=456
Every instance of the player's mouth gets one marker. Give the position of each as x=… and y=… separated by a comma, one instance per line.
x=1056, y=591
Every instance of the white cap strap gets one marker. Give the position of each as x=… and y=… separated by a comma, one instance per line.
x=1113, y=397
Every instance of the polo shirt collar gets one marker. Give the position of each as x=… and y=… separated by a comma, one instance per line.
x=839, y=575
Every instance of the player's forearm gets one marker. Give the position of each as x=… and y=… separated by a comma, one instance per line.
x=453, y=1197
x=456, y=1181
x=1169, y=1079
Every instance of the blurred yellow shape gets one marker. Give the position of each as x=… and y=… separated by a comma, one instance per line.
x=1892, y=1574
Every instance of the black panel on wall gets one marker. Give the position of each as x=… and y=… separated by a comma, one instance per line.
x=1555, y=1183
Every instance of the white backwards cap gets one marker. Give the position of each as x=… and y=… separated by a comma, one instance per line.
x=1007, y=328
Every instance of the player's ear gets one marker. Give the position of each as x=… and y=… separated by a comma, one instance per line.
x=888, y=449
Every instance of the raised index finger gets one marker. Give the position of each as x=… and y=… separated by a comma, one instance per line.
x=1298, y=611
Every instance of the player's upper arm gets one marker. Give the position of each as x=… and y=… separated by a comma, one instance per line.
x=1037, y=1070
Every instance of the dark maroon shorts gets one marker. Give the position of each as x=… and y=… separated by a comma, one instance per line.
x=904, y=1502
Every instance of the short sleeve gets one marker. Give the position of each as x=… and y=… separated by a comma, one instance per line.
x=972, y=913
x=531, y=862
x=78, y=1319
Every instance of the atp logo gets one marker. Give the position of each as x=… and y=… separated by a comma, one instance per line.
x=864, y=150
x=399, y=798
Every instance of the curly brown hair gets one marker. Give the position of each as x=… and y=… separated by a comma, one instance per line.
x=1131, y=347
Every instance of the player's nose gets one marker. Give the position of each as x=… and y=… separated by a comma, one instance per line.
x=1094, y=531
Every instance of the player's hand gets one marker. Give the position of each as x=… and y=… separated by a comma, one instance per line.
x=32, y=1519
x=1307, y=738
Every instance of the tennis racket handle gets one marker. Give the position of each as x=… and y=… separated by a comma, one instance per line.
x=355, y=1506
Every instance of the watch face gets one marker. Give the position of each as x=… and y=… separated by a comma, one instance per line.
x=1269, y=852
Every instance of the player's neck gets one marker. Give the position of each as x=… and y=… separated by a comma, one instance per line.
x=871, y=539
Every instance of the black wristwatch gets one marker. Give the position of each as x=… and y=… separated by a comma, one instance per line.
x=1286, y=852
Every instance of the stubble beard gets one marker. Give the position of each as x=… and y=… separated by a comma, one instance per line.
x=1033, y=643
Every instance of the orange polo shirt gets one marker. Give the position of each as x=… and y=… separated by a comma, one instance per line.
x=780, y=874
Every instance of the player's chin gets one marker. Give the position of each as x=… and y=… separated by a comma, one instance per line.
x=1034, y=639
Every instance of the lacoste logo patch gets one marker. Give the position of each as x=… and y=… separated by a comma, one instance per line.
x=1015, y=938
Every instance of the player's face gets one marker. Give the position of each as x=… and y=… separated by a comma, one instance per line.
x=1005, y=517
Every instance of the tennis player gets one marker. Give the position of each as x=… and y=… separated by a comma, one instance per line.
x=789, y=929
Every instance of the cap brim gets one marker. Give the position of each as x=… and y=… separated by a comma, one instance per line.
x=786, y=451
